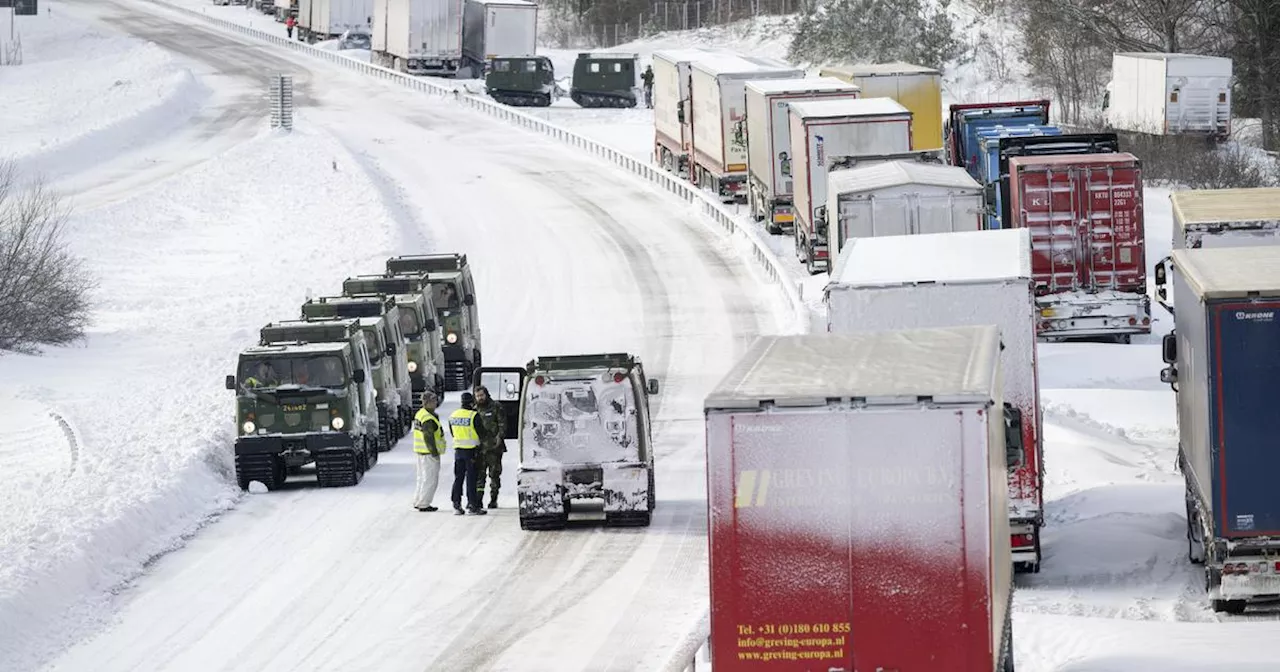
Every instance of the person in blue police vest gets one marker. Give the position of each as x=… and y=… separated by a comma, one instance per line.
x=468, y=435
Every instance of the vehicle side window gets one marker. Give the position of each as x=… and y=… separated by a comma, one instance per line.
x=617, y=67
x=502, y=66
x=642, y=410
x=530, y=66
x=595, y=67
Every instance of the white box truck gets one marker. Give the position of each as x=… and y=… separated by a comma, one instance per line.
x=329, y=19
x=418, y=37
x=719, y=163
x=769, y=153
x=1169, y=94
x=498, y=29
x=900, y=198
x=672, y=130
x=856, y=496
x=960, y=279
x=831, y=134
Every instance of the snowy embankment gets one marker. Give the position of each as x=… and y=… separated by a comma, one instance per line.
x=83, y=93
x=245, y=15
x=187, y=271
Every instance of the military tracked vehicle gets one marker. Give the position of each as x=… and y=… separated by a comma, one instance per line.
x=584, y=433
x=526, y=81
x=453, y=293
x=380, y=316
x=302, y=402
x=602, y=79
x=425, y=350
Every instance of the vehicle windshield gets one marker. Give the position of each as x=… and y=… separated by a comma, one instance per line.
x=376, y=348
x=451, y=320
x=588, y=421
x=309, y=371
x=445, y=295
x=410, y=327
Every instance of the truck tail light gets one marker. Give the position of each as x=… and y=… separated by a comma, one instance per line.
x=1133, y=321
x=1237, y=568
x=539, y=381
x=1024, y=540
x=618, y=377
x=1277, y=567
x=1222, y=97
x=1146, y=321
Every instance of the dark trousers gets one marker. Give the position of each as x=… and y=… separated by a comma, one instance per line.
x=289, y=31
x=464, y=470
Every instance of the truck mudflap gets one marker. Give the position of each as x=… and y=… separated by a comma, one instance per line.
x=626, y=494
x=542, y=496
x=544, y=491
x=1082, y=315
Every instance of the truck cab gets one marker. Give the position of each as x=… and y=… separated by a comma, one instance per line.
x=603, y=79
x=585, y=432
x=301, y=402
x=453, y=293
x=424, y=350
x=524, y=81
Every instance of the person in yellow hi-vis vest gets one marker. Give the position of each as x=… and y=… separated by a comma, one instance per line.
x=428, y=445
x=467, y=437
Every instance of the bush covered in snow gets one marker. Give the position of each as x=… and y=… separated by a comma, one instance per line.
x=1195, y=163
x=43, y=289
x=875, y=31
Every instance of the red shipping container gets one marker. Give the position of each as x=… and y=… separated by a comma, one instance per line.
x=1088, y=244
x=857, y=497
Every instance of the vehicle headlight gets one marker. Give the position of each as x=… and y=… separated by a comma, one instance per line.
x=375, y=393
x=338, y=423
x=413, y=366
x=248, y=426
x=451, y=338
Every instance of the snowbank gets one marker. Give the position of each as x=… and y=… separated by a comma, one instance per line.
x=145, y=394
x=245, y=15
x=85, y=94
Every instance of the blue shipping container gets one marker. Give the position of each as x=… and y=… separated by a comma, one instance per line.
x=989, y=176
x=971, y=122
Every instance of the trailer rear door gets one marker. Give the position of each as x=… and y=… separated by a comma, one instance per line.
x=1247, y=427
x=1085, y=215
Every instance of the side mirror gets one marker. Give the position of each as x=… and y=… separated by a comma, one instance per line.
x=468, y=300
x=1169, y=376
x=653, y=386
x=1013, y=448
x=680, y=112
x=430, y=325
x=231, y=382
x=358, y=376
x=1169, y=348
x=1161, y=273
x=391, y=349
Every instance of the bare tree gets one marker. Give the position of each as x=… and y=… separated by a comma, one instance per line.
x=1064, y=59
x=44, y=291
x=1254, y=27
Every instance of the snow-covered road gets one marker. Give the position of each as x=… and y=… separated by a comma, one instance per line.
x=570, y=255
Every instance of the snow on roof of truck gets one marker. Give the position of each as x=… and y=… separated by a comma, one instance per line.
x=801, y=84
x=848, y=107
x=962, y=256
x=1213, y=206
x=880, y=69
x=734, y=64
x=897, y=173
x=1231, y=272
x=685, y=54
x=952, y=365
x=1164, y=56
x=294, y=349
x=517, y=3
x=607, y=55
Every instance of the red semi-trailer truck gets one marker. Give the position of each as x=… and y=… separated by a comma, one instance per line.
x=857, y=504
x=1088, y=246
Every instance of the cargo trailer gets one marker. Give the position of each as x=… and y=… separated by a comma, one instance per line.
x=329, y=19
x=716, y=83
x=1226, y=217
x=1088, y=246
x=1224, y=366
x=966, y=120
x=900, y=198
x=857, y=504
x=672, y=116
x=988, y=148
x=1040, y=144
x=498, y=29
x=966, y=278
x=1169, y=94
x=918, y=88
x=769, y=156
x=418, y=37
x=827, y=135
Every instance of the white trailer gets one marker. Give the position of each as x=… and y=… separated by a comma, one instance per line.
x=719, y=107
x=329, y=19
x=418, y=37
x=960, y=279
x=769, y=141
x=900, y=198
x=1169, y=94
x=1226, y=217
x=672, y=130
x=498, y=29
x=830, y=134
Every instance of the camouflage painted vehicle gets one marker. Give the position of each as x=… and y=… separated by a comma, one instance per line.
x=525, y=81
x=378, y=314
x=425, y=348
x=454, y=295
x=298, y=403
x=584, y=433
x=602, y=79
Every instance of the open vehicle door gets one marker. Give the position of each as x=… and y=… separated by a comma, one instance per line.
x=505, y=385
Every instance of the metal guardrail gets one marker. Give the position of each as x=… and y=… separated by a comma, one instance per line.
x=707, y=204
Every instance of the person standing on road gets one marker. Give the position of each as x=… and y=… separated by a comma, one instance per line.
x=493, y=419
x=467, y=437
x=647, y=78
x=288, y=26
x=428, y=445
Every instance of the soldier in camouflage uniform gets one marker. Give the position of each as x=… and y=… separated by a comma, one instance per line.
x=494, y=419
